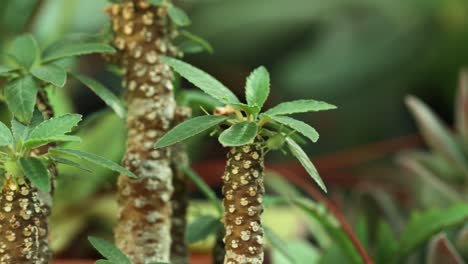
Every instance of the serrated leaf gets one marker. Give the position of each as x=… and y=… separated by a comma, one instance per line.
x=202, y=227
x=35, y=143
x=199, y=41
x=25, y=50
x=109, y=251
x=178, y=16
x=50, y=73
x=257, y=87
x=71, y=163
x=299, y=126
x=156, y=2
x=189, y=129
x=36, y=172
x=56, y=126
x=299, y=106
x=105, y=94
x=75, y=49
x=239, y=134
x=441, y=250
x=278, y=244
x=435, y=134
x=202, y=80
x=20, y=95
x=424, y=225
x=297, y=151
x=6, y=138
x=97, y=160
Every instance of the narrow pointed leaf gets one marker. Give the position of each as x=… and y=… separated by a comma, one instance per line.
x=178, y=16
x=189, y=129
x=299, y=106
x=71, y=163
x=461, y=110
x=109, y=251
x=97, y=160
x=6, y=138
x=20, y=95
x=56, y=126
x=239, y=134
x=197, y=40
x=197, y=99
x=299, y=126
x=25, y=50
x=104, y=93
x=35, y=143
x=36, y=172
x=257, y=87
x=75, y=49
x=297, y=151
x=50, y=73
x=202, y=80
x=202, y=227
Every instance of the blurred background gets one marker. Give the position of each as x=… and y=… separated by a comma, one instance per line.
x=362, y=55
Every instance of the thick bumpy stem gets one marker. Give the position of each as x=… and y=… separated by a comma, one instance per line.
x=243, y=191
x=23, y=224
x=142, y=34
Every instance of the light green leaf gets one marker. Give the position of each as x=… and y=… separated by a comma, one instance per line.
x=278, y=244
x=105, y=94
x=251, y=109
x=202, y=80
x=56, y=126
x=5, y=69
x=35, y=143
x=200, y=42
x=298, y=126
x=189, y=129
x=297, y=151
x=6, y=138
x=71, y=163
x=178, y=16
x=36, y=172
x=100, y=161
x=156, y=2
x=25, y=50
x=257, y=87
x=109, y=251
x=75, y=49
x=202, y=227
x=239, y=134
x=20, y=95
x=50, y=73
x=299, y=106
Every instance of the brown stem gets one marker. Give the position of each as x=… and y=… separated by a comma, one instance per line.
x=142, y=33
x=243, y=191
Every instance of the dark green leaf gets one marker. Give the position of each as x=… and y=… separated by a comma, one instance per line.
x=239, y=134
x=109, y=251
x=25, y=50
x=253, y=110
x=257, y=87
x=386, y=243
x=71, y=163
x=278, y=244
x=6, y=138
x=299, y=106
x=20, y=96
x=297, y=151
x=202, y=227
x=189, y=129
x=56, y=126
x=107, y=96
x=100, y=161
x=202, y=80
x=36, y=172
x=156, y=2
x=197, y=99
x=178, y=16
x=75, y=49
x=200, y=42
x=50, y=73
x=298, y=126
x=20, y=131
x=35, y=143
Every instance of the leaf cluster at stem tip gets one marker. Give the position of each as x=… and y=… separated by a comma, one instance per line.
x=240, y=123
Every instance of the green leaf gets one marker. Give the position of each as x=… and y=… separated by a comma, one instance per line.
x=36, y=172
x=75, y=49
x=105, y=94
x=424, y=225
x=25, y=50
x=56, y=126
x=70, y=163
x=20, y=95
x=178, y=16
x=298, y=126
x=35, y=143
x=202, y=80
x=200, y=42
x=197, y=99
x=6, y=138
x=251, y=109
x=5, y=69
x=278, y=244
x=202, y=227
x=103, y=261
x=202, y=186
x=386, y=243
x=189, y=129
x=100, y=161
x=299, y=106
x=50, y=73
x=109, y=251
x=257, y=87
x=156, y=2
x=239, y=134
x=297, y=151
